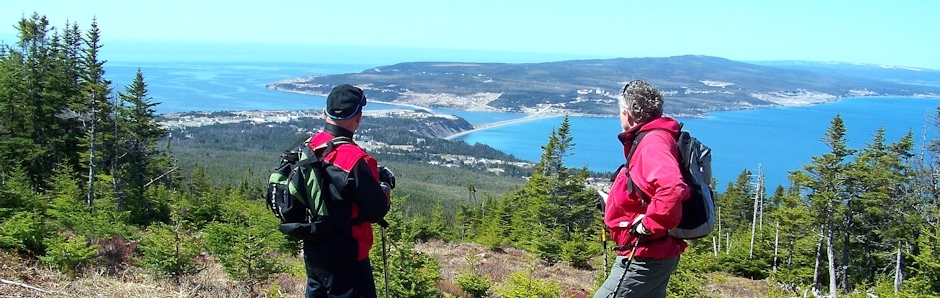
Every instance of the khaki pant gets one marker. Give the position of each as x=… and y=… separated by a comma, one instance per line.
x=645, y=278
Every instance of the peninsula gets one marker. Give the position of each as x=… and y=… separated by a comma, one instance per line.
x=694, y=85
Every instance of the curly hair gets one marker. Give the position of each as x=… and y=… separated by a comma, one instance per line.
x=641, y=100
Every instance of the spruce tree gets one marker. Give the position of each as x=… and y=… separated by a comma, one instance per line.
x=96, y=91
x=24, y=81
x=736, y=204
x=139, y=161
x=826, y=179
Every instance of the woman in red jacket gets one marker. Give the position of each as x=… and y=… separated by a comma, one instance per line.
x=639, y=215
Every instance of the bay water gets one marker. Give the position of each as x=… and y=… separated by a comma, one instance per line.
x=773, y=141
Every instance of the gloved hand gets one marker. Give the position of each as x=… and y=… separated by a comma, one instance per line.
x=637, y=228
x=386, y=176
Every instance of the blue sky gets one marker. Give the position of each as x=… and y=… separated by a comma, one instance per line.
x=901, y=33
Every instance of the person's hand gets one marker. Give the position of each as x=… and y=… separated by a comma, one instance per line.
x=387, y=177
x=637, y=227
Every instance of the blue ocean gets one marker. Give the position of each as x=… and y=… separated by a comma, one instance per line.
x=772, y=141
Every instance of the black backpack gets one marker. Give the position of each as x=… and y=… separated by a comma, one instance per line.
x=296, y=191
x=698, y=212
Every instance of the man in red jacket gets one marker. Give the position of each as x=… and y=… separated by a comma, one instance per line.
x=359, y=195
x=640, y=215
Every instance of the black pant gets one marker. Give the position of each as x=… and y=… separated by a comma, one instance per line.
x=335, y=273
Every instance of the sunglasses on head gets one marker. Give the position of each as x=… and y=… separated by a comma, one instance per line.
x=627, y=86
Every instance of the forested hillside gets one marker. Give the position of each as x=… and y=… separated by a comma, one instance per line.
x=98, y=199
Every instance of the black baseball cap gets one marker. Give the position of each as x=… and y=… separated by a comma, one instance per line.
x=344, y=101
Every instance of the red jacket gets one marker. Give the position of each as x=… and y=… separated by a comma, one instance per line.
x=356, y=177
x=655, y=171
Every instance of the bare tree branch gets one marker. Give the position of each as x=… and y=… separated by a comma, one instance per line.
x=25, y=286
x=159, y=177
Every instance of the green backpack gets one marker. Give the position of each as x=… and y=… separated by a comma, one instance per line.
x=295, y=191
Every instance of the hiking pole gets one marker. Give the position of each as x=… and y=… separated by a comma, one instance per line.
x=604, y=240
x=627, y=265
x=384, y=256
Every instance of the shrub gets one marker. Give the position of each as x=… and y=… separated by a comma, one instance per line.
x=70, y=254
x=170, y=251
x=410, y=272
x=522, y=284
x=24, y=231
x=476, y=285
x=246, y=239
x=579, y=251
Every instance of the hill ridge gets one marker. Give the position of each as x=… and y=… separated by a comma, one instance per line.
x=694, y=84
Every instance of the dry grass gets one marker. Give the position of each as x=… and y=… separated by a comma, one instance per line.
x=132, y=282
x=724, y=285
x=453, y=258
x=214, y=282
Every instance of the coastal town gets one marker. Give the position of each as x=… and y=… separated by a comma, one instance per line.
x=198, y=119
x=182, y=121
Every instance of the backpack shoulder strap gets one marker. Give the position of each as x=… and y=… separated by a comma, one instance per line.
x=315, y=157
x=631, y=186
x=636, y=142
x=331, y=145
x=317, y=154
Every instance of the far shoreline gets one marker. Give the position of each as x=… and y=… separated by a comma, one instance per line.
x=553, y=112
x=704, y=114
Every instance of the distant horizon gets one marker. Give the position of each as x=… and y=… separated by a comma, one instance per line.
x=129, y=51
x=139, y=51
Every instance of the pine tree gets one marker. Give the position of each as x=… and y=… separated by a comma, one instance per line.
x=736, y=204
x=138, y=161
x=64, y=92
x=23, y=87
x=826, y=179
x=797, y=241
x=96, y=90
x=552, y=208
x=876, y=174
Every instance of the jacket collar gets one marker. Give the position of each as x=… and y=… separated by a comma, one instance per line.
x=337, y=131
x=662, y=123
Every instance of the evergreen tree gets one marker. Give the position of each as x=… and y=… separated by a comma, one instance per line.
x=23, y=80
x=736, y=204
x=877, y=213
x=22, y=211
x=98, y=117
x=794, y=246
x=826, y=179
x=926, y=270
x=139, y=162
x=397, y=265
